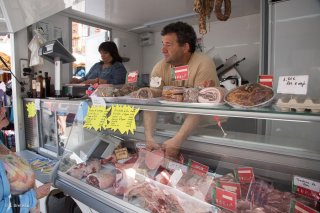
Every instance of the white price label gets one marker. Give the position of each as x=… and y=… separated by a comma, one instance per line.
x=175, y=177
x=177, y=166
x=306, y=183
x=140, y=145
x=37, y=103
x=98, y=101
x=155, y=81
x=295, y=84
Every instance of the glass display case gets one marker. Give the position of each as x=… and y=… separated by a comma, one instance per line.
x=242, y=164
x=48, y=131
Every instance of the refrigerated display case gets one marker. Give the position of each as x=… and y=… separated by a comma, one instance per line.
x=48, y=131
x=94, y=174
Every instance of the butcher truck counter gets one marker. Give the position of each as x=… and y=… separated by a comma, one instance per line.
x=262, y=160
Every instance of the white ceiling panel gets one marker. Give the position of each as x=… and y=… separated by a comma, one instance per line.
x=134, y=15
x=140, y=15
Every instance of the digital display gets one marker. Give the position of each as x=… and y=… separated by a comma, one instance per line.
x=100, y=149
x=49, y=48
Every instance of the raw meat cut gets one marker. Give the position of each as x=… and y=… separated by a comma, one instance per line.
x=154, y=159
x=82, y=170
x=101, y=180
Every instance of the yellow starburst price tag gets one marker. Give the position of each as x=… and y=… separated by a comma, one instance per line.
x=96, y=117
x=122, y=118
x=31, y=108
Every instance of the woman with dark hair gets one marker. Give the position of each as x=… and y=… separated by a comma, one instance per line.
x=109, y=70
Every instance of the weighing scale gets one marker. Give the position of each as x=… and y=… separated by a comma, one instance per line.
x=56, y=53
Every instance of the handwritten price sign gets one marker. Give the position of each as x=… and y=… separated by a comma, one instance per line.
x=122, y=118
x=96, y=117
x=296, y=84
x=306, y=187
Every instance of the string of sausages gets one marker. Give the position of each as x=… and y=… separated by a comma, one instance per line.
x=205, y=7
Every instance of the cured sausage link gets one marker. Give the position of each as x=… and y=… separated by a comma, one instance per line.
x=227, y=9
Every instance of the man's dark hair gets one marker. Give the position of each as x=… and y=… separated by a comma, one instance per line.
x=184, y=32
x=111, y=48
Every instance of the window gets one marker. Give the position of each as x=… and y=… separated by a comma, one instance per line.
x=86, y=39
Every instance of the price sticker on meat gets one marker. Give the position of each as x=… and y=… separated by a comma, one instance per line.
x=181, y=73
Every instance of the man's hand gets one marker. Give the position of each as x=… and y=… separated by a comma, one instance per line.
x=152, y=144
x=75, y=81
x=171, y=148
x=102, y=81
x=91, y=81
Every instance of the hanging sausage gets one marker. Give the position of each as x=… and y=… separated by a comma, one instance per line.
x=227, y=9
x=205, y=7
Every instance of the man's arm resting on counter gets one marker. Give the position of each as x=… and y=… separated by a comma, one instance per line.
x=149, y=123
x=172, y=146
x=189, y=125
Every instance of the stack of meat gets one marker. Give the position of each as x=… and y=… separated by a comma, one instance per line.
x=171, y=93
x=194, y=95
x=91, y=171
x=156, y=197
x=146, y=93
x=261, y=197
x=125, y=90
x=145, y=179
x=82, y=170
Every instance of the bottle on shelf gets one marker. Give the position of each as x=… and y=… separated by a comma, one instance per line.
x=33, y=83
x=46, y=85
x=39, y=87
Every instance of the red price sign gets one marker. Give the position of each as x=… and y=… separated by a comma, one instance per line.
x=301, y=208
x=198, y=168
x=133, y=77
x=231, y=187
x=306, y=187
x=245, y=174
x=307, y=193
x=181, y=73
x=226, y=199
x=266, y=80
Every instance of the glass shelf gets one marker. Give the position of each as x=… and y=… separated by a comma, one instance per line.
x=269, y=113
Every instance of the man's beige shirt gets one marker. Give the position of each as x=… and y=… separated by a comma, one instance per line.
x=201, y=69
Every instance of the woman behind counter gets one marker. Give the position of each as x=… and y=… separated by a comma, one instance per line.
x=108, y=71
